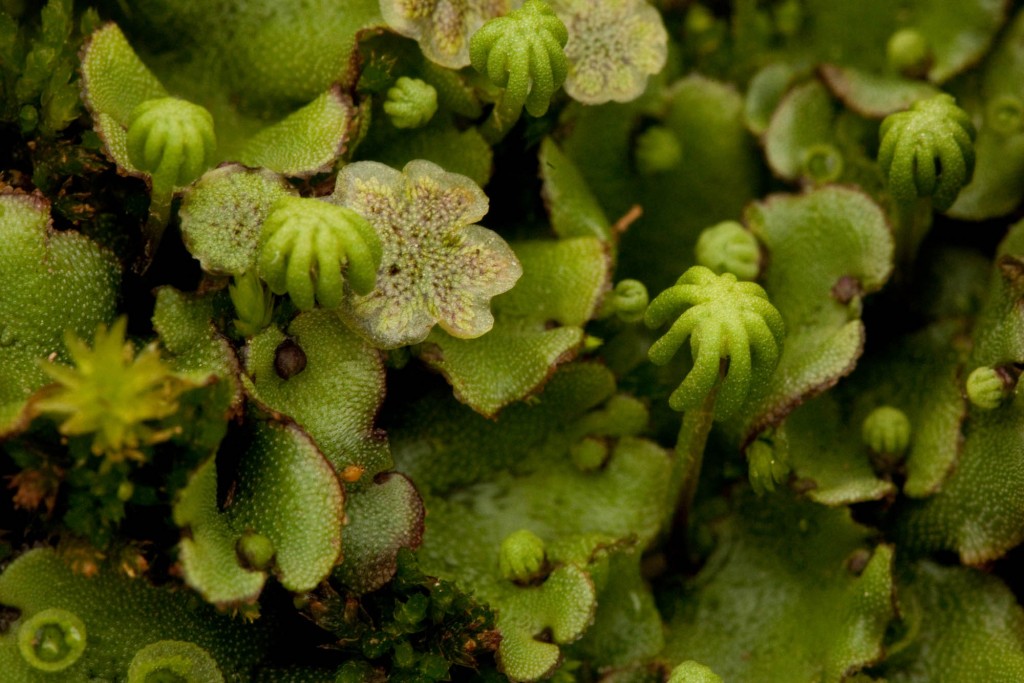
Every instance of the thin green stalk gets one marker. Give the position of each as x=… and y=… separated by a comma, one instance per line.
x=690, y=445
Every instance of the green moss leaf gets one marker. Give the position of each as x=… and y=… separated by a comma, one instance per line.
x=459, y=151
x=51, y=283
x=827, y=249
x=201, y=354
x=334, y=397
x=998, y=180
x=802, y=575
x=114, y=78
x=958, y=625
x=121, y=616
x=978, y=512
x=538, y=325
x=286, y=492
x=576, y=513
x=572, y=206
x=383, y=518
x=827, y=455
x=873, y=95
x=436, y=441
x=718, y=174
x=305, y=142
x=222, y=213
x=438, y=266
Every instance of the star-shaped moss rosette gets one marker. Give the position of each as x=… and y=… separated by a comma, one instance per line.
x=136, y=117
x=438, y=267
x=112, y=394
x=801, y=574
x=443, y=28
x=522, y=52
x=52, y=283
x=121, y=622
x=284, y=515
x=613, y=48
x=538, y=325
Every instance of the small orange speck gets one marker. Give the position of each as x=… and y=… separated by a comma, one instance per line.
x=352, y=473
